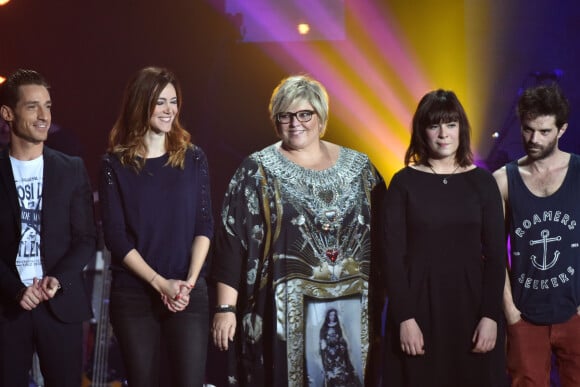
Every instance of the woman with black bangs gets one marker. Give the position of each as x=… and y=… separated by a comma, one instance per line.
x=444, y=258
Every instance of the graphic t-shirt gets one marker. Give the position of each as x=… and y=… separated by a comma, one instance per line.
x=28, y=180
x=545, y=247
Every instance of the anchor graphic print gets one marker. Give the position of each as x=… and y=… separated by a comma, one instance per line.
x=544, y=264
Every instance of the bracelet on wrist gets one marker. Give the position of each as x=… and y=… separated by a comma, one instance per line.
x=225, y=308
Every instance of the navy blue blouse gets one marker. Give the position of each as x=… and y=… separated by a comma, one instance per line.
x=157, y=211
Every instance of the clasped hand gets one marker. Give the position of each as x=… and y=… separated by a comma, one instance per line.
x=39, y=291
x=175, y=294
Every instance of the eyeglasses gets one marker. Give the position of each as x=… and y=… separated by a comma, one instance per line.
x=301, y=116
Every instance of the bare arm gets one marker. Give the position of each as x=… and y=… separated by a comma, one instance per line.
x=512, y=313
x=168, y=288
x=199, y=251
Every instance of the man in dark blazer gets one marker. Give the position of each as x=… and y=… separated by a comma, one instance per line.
x=47, y=236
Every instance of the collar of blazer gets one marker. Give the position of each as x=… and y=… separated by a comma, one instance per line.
x=7, y=183
x=7, y=179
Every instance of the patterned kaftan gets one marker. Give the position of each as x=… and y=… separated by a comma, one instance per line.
x=296, y=243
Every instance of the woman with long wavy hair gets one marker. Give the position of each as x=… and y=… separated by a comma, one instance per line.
x=157, y=222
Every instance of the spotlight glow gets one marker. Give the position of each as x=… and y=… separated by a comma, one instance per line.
x=303, y=28
x=375, y=76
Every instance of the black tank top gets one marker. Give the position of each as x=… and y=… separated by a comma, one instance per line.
x=545, y=247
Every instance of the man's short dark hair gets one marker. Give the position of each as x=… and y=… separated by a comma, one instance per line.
x=544, y=100
x=10, y=88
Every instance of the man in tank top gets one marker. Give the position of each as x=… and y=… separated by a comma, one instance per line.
x=47, y=236
x=542, y=208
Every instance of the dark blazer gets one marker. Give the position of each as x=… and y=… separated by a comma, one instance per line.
x=68, y=235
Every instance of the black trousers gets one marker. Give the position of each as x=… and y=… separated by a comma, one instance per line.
x=58, y=344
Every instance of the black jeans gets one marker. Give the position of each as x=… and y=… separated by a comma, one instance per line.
x=150, y=335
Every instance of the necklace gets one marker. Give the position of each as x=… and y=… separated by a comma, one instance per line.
x=445, y=178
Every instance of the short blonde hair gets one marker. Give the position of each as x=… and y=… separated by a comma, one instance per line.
x=297, y=87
